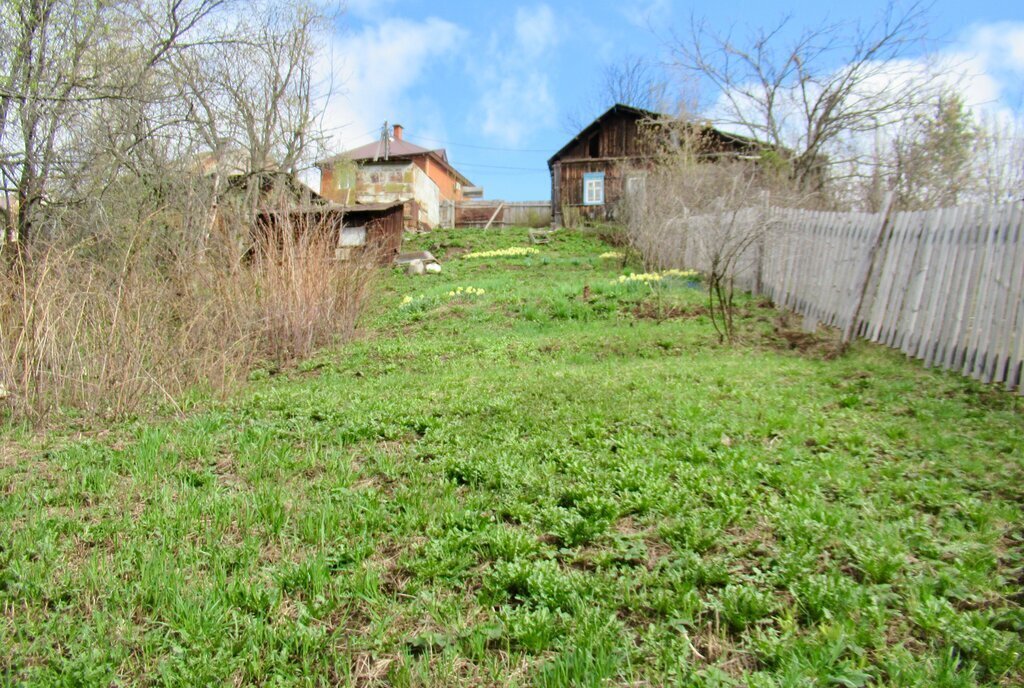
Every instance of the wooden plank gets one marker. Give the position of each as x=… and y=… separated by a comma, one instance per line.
x=919, y=296
x=980, y=292
x=1014, y=316
x=895, y=277
x=497, y=210
x=912, y=261
x=963, y=312
x=887, y=276
x=938, y=314
x=864, y=276
x=959, y=249
x=870, y=220
x=989, y=343
x=933, y=287
x=907, y=249
x=832, y=256
x=980, y=323
x=996, y=344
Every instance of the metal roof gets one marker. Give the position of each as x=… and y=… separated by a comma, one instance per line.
x=399, y=149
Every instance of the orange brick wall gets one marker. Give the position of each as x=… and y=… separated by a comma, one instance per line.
x=440, y=176
x=327, y=187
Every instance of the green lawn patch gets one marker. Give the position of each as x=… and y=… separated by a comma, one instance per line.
x=526, y=471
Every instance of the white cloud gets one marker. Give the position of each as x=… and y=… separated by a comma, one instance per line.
x=516, y=97
x=646, y=14
x=1001, y=44
x=374, y=70
x=367, y=9
x=535, y=29
x=986, y=66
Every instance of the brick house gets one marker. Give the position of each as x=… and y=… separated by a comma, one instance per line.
x=393, y=170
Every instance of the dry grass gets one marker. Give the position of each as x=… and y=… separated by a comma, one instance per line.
x=105, y=327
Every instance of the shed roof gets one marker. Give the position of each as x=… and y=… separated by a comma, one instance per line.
x=330, y=207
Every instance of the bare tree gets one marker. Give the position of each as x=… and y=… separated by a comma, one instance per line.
x=702, y=209
x=633, y=80
x=70, y=59
x=260, y=120
x=810, y=93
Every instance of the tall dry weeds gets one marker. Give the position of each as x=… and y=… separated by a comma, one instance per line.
x=109, y=329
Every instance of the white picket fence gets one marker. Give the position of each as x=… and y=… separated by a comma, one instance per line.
x=945, y=286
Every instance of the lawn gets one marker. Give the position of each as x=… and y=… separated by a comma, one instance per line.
x=527, y=472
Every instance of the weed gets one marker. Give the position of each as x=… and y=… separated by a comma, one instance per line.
x=553, y=483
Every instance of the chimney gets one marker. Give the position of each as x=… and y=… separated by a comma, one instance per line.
x=398, y=132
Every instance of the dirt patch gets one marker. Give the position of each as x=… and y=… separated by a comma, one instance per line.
x=393, y=577
x=370, y=670
x=651, y=310
x=451, y=252
x=788, y=334
x=627, y=525
x=657, y=550
x=711, y=645
x=225, y=470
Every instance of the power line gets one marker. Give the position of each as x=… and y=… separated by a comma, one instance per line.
x=498, y=167
x=499, y=173
x=488, y=148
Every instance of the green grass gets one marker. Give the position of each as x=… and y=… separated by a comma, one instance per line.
x=531, y=487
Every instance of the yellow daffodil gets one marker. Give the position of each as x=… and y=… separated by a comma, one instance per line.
x=513, y=252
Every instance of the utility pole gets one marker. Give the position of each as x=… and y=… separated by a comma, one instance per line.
x=385, y=142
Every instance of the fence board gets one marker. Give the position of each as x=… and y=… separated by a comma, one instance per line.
x=944, y=286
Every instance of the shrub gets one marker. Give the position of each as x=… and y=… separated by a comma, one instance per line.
x=104, y=326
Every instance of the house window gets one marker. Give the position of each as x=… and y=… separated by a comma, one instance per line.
x=593, y=188
x=353, y=236
x=594, y=146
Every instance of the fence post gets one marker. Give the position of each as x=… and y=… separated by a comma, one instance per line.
x=869, y=269
x=759, y=265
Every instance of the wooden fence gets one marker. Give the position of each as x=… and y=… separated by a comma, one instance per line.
x=498, y=213
x=945, y=286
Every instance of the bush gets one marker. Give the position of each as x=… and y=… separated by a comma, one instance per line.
x=105, y=326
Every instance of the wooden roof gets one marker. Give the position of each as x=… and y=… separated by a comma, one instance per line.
x=649, y=115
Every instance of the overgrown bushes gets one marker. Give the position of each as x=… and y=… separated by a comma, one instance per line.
x=107, y=326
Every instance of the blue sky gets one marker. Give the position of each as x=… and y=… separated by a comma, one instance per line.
x=495, y=83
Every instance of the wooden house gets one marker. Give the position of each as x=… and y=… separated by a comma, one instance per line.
x=592, y=173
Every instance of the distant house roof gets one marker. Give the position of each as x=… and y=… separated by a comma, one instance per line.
x=398, y=149
x=650, y=115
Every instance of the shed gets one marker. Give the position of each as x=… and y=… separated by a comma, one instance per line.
x=371, y=229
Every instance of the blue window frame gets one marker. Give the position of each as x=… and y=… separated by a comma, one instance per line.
x=593, y=188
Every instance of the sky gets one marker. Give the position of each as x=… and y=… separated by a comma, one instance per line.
x=498, y=83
